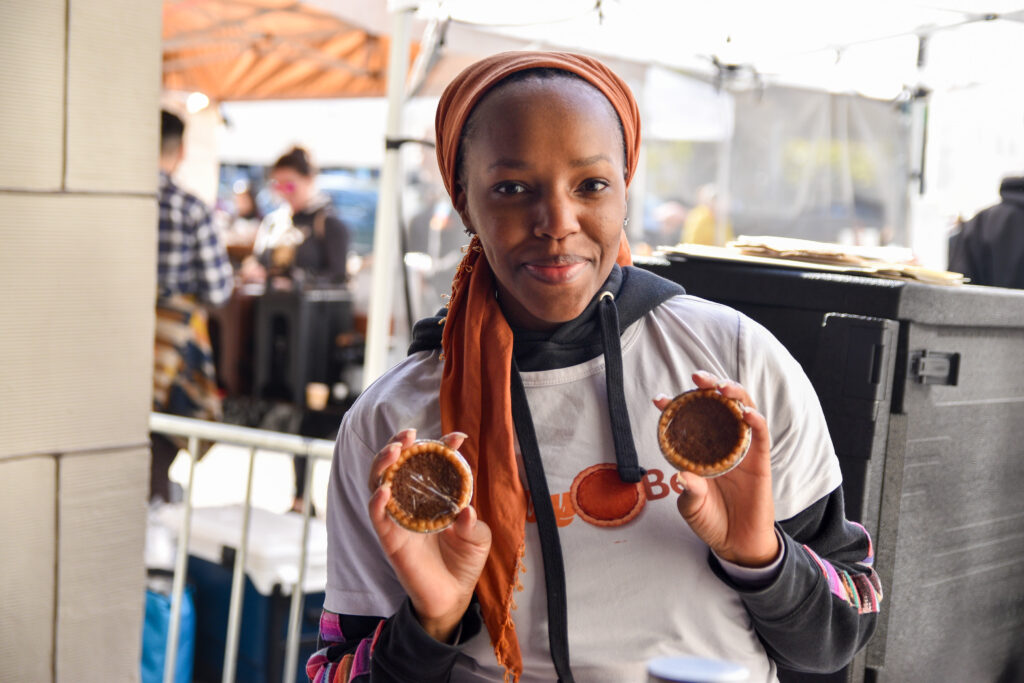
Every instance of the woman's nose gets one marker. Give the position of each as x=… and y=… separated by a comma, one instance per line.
x=556, y=216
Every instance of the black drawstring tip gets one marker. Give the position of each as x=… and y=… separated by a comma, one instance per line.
x=631, y=475
x=625, y=450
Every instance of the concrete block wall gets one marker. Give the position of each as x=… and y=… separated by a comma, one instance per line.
x=80, y=84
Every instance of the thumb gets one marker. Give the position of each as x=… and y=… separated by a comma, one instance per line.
x=470, y=529
x=695, y=492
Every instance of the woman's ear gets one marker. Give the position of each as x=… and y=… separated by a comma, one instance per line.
x=460, y=204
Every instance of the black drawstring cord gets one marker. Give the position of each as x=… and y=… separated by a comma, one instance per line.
x=547, y=529
x=625, y=450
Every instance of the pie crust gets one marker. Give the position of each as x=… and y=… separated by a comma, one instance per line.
x=430, y=485
x=703, y=432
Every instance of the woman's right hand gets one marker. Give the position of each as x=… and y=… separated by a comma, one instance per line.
x=438, y=571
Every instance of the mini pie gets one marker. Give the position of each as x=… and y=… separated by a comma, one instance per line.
x=703, y=432
x=430, y=486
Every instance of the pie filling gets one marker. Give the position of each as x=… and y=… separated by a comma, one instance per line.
x=430, y=485
x=703, y=432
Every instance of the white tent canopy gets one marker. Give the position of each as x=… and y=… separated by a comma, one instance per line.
x=870, y=47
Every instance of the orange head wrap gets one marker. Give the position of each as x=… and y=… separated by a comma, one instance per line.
x=477, y=341
x=468, y=88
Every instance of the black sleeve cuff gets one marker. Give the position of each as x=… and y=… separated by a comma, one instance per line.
x=405, y=652
x=797, y=582
x=802, y=626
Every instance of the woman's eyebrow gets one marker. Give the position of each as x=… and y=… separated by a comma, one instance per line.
x=506, y=162
x=519, y=164
x=587, y=161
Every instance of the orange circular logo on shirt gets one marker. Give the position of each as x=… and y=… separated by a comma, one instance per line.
x=601, y=498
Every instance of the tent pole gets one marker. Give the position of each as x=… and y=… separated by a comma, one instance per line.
x=385, y=235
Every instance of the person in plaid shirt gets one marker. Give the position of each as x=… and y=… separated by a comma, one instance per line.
x=191, y=259
x=193, y=272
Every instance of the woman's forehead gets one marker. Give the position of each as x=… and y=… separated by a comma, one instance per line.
x=562, y=104
x=540, y=121
x=533, y=91
x=286, y=172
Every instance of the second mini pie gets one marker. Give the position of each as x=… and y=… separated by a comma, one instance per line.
x=703, y=432
x=430, y=485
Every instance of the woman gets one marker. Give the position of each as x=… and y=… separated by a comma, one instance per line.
x=546, y=363
x=313, y=245
x=310, y=248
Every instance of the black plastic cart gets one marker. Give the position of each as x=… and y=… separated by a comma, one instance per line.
x=923, y=390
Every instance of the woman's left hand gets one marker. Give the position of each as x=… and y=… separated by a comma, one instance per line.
x=734, y=513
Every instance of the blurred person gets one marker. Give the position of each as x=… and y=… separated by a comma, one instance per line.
x=301, y=245
x=242, y=222
x=306, y=243
x=193, y=272
x=700, y=225
x=247, y=214
x=244, y=198
x=669, y=219
x=437, y=231
x=434, y=230
x=989, y=248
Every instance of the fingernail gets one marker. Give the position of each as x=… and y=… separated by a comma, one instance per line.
x=720, y=385
x=746, y=409
x=461, y=435
x=661, y=397
x=703, y=373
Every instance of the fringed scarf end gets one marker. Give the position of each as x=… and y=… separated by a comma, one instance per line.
x=506, y=645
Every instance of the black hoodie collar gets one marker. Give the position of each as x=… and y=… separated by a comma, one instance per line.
x=636, y=292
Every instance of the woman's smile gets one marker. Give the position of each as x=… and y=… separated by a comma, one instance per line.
x=556, y=270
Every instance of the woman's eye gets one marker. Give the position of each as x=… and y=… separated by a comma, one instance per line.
x=593, y=185
x=510, y=188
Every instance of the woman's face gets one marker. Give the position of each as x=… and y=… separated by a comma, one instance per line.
x=542, y=184
x=292, y=186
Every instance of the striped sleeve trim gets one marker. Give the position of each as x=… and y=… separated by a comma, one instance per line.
x=330, y=627
x=343, y=670
x=870, y=559
x=361, y=660
x=861, y=591
x=319, y=667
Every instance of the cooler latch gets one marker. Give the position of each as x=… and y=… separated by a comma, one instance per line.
x=935, y=367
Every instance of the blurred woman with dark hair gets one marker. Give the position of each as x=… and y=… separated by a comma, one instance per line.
x=311, y=247
x=301, y=247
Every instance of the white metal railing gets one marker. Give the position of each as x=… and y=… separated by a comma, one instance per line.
x=253, y=438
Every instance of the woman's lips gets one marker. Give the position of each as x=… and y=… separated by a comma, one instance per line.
x=555, y=271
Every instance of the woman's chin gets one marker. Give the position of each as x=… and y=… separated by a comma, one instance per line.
x=550, y=317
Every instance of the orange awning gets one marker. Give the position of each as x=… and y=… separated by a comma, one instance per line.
x=269, y=49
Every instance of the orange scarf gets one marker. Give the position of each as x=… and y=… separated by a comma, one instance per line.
x=477, y=344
